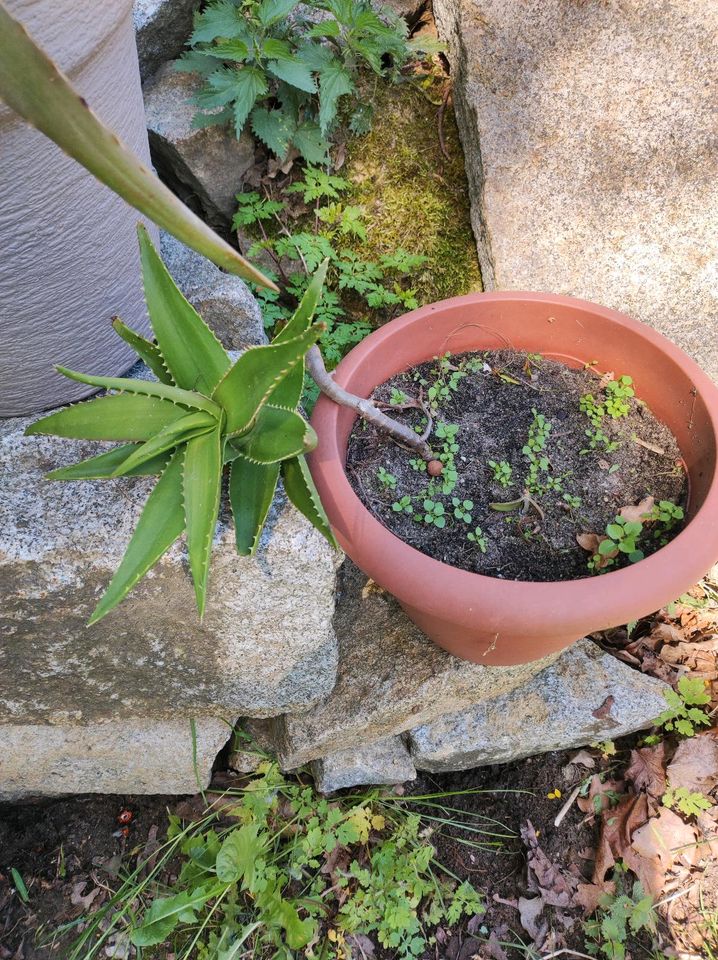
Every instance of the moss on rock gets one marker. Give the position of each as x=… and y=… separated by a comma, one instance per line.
x=413, y=196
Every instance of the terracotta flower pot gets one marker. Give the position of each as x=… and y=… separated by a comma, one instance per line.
x=495, y=621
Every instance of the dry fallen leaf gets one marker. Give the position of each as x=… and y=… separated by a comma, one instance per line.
x=529, y=912
x=695, y=764
x=588, y=895
x=647, y=770
x=616, y=831
x=658, y=846
x=549, y=880
x=635, y=514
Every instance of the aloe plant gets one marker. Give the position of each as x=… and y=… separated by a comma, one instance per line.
x=203, y=413
x=32, y=85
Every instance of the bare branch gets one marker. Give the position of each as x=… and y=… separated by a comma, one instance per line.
x=366, y=409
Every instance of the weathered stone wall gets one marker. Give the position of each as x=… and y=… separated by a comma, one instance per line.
x=589, y=132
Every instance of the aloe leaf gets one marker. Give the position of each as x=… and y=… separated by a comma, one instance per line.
x=289, y=391
x=147, y=388
x=251, y=491
x=160, y=523
x=32, y=85
x=145, y=350
x=193, y=425
x=202, y=486
x=299, y=487
x=124, y=416
x=193, y=355
x=246, y=387
x=103, y=466
x=508, y=506
x=278, y=434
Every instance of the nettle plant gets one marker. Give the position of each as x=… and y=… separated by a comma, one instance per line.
x=202, y=413
x=285, y=68
x=296, y=247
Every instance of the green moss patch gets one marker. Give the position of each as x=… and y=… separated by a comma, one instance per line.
x=413, y=196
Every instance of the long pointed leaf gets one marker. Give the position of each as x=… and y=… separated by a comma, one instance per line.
x=103, y=466
x=193, y=425
x=147, y=388
x=277, y=434
x=145, y=350
x=160, y=523
x=202, y=487
x=289, y=392
x=125, y=416
x=245, y=389
x=251, y=491
x=193, y=355
x=32, y=85
x=299, y=487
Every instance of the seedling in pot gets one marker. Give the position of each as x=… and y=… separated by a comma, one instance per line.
x=501, y=472
x=434, y=513
x=386, y=479
x=462, y=509
x=477, y=536
x=403, y=505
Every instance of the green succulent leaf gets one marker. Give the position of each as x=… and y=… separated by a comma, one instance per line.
x=32, y=85
x=288, y=392
x=202, y=488
x=123, y=416
x=246, y=387
x=161, y=523
x=193, y=425
x=251, y=491
x=193, y=355
x=145, y=388
x=299, y=487
x=145, y=349
x=103, y=466
x=278, y=434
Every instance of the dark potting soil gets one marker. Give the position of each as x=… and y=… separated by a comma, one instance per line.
x=577, y=489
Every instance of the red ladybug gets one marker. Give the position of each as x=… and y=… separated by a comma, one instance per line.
x=124, y=817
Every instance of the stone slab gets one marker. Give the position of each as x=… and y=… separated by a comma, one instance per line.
x=127, y=757
x=391, y=678
x=584, y=697
x=161, y=30
x=266, y=644
x=589, y=131
x=384, y=762
x=224, y=301
x=206, y=163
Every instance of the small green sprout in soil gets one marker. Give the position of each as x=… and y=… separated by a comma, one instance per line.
x=502, y=418
x=501, y=472
x=462, y=509
x=476, y=536
x=434, y=513
x=386, y=479
x=403, y=505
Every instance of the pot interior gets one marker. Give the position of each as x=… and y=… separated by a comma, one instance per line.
x=571, y=331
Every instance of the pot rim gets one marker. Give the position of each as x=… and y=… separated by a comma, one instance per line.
x=665, y=566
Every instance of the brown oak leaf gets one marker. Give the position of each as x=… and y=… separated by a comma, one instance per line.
x=617, y=830
x=634, y=514
x=695, y=764
x=647, y=770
